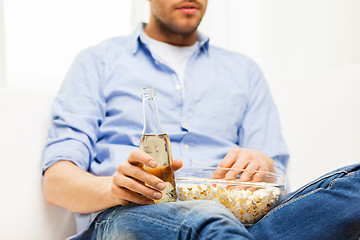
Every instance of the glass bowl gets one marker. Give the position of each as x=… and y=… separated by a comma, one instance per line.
x=249, y=195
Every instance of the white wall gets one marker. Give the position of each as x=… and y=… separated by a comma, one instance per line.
x=43, y=36
x=320, y=117
x=310, y=54
x=2, y=46
x=311, y=57
x=288, y=37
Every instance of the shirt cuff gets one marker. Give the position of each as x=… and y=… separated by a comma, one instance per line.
x=70, y=150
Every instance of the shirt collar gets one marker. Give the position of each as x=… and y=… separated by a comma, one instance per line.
x=138, y=41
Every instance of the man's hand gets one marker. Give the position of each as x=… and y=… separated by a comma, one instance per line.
x=247, y=159
x=128, y=183
x=70, y=187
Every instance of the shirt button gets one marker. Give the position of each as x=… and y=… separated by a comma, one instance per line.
x=178, y=87
x=186, y=146
x=185, y=123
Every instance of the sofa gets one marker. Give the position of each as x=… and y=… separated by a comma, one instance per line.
x=25, y=117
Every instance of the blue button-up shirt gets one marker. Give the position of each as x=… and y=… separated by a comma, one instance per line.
x=98, y=118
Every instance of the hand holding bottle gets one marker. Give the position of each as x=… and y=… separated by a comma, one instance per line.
x=148, y=174
x=155, y=142
x=128, y=183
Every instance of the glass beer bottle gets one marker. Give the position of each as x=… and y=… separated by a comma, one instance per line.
x=155, y=142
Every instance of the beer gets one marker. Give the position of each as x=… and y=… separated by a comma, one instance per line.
x=155, y=142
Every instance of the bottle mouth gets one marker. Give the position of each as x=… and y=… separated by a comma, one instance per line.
x=148, y=92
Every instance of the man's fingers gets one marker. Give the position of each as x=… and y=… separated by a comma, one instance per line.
x=140, y=174
x=227, y=162
x=238, y=168
x=124, y=196
x=122, y=181
x=138, y=156
x=259, y=176
x=249, y=172
x=177, y=164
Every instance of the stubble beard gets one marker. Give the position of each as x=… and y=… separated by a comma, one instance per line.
x=173, y=29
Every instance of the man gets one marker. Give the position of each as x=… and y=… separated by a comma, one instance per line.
x=216, y=108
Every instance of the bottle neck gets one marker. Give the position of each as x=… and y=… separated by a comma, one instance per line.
x=152, y=125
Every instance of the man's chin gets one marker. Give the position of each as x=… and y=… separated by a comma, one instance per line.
x=186, y=32
x=185, y=29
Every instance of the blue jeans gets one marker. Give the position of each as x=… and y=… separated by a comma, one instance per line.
x=327, y=208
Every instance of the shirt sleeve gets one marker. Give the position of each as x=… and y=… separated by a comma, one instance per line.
x=78, y=111
x=260, y=128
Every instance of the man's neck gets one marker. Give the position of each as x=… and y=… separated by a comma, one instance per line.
x=177, y=39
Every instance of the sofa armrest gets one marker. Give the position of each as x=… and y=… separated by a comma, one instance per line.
x=25, y=117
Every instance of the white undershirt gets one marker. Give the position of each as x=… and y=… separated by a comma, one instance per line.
x=175, y=57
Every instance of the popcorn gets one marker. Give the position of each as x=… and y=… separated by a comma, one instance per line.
x=247, y=206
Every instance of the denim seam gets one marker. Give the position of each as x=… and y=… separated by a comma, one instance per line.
x=332, y=183
x=350, y=175
x=315, y=181
x=98, y=224
x=167, y=222
x=292, y=199
x=111, y=216
x=197, y=235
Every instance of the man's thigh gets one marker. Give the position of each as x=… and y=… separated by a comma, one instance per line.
x=177, y=220
x=327, y=208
